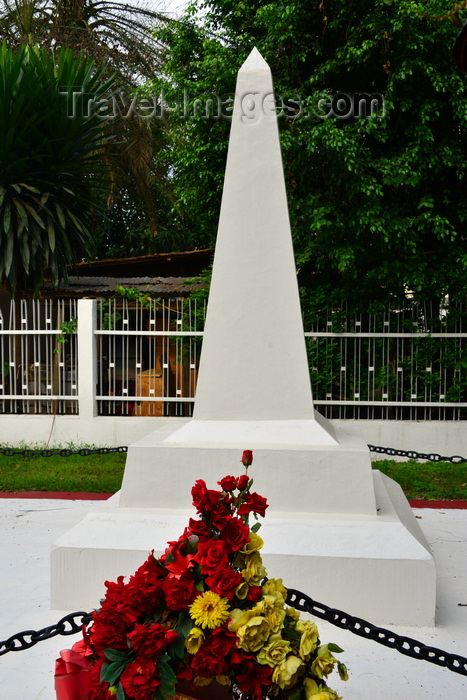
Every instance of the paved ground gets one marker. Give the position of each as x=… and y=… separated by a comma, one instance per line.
x=28, y=527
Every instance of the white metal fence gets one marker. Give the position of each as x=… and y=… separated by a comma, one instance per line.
x=408, y=364
x=131, y=358
x=38, y=373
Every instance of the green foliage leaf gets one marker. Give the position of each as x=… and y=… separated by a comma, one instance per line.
x=167, y=675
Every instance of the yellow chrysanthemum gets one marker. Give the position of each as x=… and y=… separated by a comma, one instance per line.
x=209, y=610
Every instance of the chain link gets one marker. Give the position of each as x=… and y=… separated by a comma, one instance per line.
x=404, y=645
x=85, y=451
x=412, y=454
x=73, y=623
x=70, y=624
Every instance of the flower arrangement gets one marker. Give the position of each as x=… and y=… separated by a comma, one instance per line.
x=205, y=614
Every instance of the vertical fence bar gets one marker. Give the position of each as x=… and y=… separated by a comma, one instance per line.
x=87, y=358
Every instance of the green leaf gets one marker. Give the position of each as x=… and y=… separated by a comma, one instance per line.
x=21, y=211
x=184, y=624
x=115, y=655
x=7, y=218
x=334, y=648
x=120, y=693
x=167, y=675
x=256, y=527
x=176, y=649
x=115, y=670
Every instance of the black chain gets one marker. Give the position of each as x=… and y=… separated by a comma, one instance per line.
x=300, y=601
x=405, y=645
x=431, y=457
x=27, y=639
x=83, y=452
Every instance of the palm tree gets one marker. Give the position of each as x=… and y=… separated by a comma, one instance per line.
x=51, y=165
x=112, y=33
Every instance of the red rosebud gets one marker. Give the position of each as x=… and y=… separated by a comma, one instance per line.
x=247, y=458
x=254, y=594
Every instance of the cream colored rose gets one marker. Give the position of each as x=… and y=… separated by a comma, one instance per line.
x=294, y=614
x=194, y=640
x=274, y=652
x=324, y=662
x=238, y=618
x=254, y=571
x=313, y=692
x=287, y=673
x=309, y=638
x=253, y=635
x=275, y=588
x=276, y=618
x=253, y=545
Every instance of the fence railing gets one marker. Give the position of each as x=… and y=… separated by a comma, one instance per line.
x=137, y=358
x=406, y=363
x=38, y=372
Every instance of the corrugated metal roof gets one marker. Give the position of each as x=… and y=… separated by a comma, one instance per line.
x=104, y=286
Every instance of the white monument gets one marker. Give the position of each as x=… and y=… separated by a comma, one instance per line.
x=335, y=529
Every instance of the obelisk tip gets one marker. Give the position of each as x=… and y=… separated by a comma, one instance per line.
x=254, y=61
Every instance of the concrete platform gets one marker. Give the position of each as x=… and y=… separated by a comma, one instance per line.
x=383, y=559
x=28, y=528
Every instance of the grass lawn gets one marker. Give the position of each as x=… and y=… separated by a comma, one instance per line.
x=92, y=474
x=103, y=474
x=430, y=481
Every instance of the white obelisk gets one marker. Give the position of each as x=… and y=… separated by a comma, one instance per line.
x=254, y=382
x=335, y=529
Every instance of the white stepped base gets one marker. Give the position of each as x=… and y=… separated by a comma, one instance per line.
x=376, y=567
x=311, y=476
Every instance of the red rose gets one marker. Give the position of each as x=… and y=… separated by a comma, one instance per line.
x=211, y=554
x=224, y=582
x=253, y=503
x=151, y=640
x=235, y=533
x=179, y=591
x=247, y=458
x=199, y=528
x=254, y=594
x=228, y=483
x=139, y=680
x=243, y=482
x=204, y=499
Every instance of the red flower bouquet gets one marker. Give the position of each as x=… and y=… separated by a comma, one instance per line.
x=204, y=614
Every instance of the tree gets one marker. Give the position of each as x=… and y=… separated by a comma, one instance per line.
x=120, y=39
x=51, y=165
x=114, y=34
x=378, y=204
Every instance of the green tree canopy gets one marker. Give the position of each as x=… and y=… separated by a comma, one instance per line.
x=51, y=163
x=378, y=204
